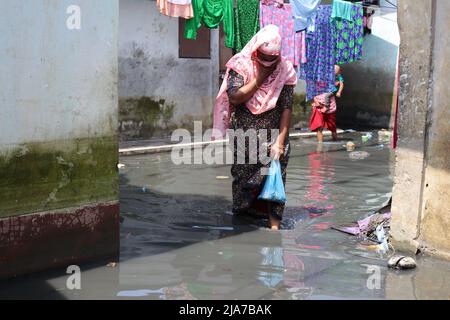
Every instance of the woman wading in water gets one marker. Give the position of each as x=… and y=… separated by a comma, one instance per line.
x=257, y=94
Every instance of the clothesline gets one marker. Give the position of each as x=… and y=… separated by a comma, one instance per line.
x=371, y=6
x=315, y=37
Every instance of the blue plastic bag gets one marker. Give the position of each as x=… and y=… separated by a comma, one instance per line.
x=273, y=188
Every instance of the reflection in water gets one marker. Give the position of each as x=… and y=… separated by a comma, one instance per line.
x=272, y=265
x=321, y=176
x=217, y=257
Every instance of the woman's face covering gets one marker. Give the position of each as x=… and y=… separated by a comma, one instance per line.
x=265, y=59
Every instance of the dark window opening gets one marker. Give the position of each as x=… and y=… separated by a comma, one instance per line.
x=194, y=49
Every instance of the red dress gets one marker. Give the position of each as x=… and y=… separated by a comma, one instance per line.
x=321, y=120
x=327, y=118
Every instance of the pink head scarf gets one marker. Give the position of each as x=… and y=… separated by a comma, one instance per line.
x=267, y=41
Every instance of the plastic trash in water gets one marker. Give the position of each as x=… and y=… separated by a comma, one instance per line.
x=145, y=189
x=140, y=293
x=366, y=137
x=359, y=155
x=382, y=239
x=384, y=135
x=350, y=146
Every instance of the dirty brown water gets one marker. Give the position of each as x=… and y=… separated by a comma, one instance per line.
x=180, y=241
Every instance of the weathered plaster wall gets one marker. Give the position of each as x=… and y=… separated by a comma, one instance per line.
x=58, y=141
x=370, y=82
x=58, y=105
x=435, y=220
x=421, y=195
x=150, y=70
x=57, y=83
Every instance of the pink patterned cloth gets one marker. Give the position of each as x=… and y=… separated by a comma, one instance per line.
x=293, y=43
x=321, y=99
x=268, y=41
x=278, y=3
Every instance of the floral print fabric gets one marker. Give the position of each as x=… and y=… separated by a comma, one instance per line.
x=349, y=36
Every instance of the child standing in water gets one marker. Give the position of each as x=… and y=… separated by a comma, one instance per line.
x=324, y=108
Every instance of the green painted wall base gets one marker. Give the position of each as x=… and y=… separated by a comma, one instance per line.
x=45, y=176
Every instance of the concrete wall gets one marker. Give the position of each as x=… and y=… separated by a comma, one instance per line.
x=150, y=70
x=435, y=222
x=421, y=194
x=58, y=142
x=369, y=83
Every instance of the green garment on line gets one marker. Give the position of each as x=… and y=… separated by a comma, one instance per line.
x=342, y=9
x=211, y=12
x=247, y=22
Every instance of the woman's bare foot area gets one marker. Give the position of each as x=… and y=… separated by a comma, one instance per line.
x=274, y=223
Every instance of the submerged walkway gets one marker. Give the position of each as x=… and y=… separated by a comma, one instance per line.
x=180, y=241
x=160, y=145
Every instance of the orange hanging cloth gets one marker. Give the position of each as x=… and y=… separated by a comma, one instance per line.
x=176, y=8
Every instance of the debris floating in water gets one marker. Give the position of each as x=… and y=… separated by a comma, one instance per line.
x=350, y=146
x=120, y=166
x=222, y=177
x=402, y=262
x=359, y=155
x=384, y=135
x=213, y=228
x=140, y=293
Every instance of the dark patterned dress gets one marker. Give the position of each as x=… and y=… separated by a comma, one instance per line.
x=248, y=181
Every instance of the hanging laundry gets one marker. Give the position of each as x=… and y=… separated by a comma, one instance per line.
x=304, y=13
x=342, y=9
x=293, y=43
x=370, y=8
x=318, y=71
x=368, y=20
x=176, y=8
x=247, y=22
x=212, y=12
x=349, y=36
x=277, y=3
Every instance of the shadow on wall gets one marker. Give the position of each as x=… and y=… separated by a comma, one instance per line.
x=144, y=117
x=148, y=117
x=367, y=101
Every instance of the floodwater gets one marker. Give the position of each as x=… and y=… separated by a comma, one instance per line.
x=180, y=241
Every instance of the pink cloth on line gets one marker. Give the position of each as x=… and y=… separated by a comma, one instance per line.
x=175, y=10
x=268, y=40
x=278, y=3
x=293, y=43
x=180, y=1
